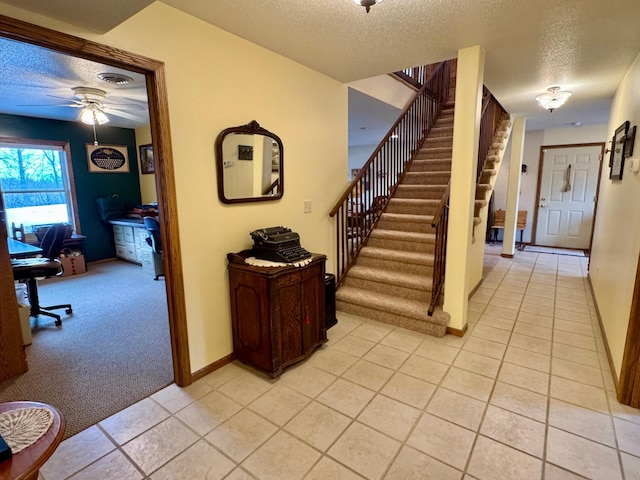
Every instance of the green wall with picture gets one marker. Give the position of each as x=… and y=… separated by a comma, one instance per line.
x=88, y=186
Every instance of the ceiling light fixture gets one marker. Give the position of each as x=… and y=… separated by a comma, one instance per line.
x=367, y=4
x=91, y=115
x=554, y=98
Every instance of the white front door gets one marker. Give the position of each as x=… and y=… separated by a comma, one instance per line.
x=568, y=185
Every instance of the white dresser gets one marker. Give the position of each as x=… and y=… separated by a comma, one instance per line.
x=130, y=238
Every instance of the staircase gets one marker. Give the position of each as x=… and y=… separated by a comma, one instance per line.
x=391, y=279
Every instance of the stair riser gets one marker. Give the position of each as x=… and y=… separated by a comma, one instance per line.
x=387, y=289
x=423, y=165
x=426, y=178
x=486, y=175
x=441, y=131
x=393, y=266
x=401, y=245
x=411, y=210
x=437, y=142
x=422, y=326
x=421, y=193
x=434, y=152
x=417, y=227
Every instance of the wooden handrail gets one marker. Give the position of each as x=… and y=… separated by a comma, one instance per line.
x=379, y=177
x=437, y=216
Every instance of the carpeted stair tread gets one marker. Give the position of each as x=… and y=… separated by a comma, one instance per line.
x=398, y=256
x=424, y=192
x=401, y=235
x=379, y=275
x=387, y=303
x=404, y=217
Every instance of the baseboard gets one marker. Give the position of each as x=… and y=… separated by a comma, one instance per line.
x=203, y=372
x=457, y=331
x=604, y=335
x=506, y=255
x=474, y=289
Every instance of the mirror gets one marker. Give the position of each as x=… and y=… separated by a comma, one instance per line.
x=249, y=163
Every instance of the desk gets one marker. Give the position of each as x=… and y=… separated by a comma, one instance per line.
x=26, y=464
x=19, y=249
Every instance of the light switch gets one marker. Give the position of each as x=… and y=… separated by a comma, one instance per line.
x=635, y=165
x=307, y=206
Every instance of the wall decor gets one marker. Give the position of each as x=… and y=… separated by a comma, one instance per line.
x=107, y=158
x=245, y=152
x=631, y=139
x=616, y=161
x=147, y=163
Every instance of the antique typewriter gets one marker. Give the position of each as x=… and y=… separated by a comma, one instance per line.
x=278, y=244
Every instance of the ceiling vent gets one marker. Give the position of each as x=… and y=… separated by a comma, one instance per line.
x=115, y=78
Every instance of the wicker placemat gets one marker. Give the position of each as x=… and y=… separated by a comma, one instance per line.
x=23, y=427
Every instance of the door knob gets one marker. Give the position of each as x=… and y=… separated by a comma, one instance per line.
x=542, y=205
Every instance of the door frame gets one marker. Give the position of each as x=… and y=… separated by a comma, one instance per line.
x=534, y=225
x=628, y=387
x=153, y=70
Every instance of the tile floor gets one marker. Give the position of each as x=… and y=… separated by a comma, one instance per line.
x=525, y=394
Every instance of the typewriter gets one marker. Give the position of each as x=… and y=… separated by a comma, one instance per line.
x=278, y=244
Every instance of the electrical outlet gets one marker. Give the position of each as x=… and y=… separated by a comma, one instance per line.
x=307, y=206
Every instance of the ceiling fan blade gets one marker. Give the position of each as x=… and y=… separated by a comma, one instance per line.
x=72, y=105
x=119, y=113
x=120, y=106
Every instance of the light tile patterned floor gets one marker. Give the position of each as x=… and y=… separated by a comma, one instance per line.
x=525, y=394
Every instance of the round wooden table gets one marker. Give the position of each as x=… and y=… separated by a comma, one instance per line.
x=26, y=464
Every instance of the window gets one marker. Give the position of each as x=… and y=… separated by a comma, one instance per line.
x=36, y=185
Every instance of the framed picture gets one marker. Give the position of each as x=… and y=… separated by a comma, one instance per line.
x=631, y=139
x=147, y=163
x=107, y=158
x=245, y=152
x=617, y=151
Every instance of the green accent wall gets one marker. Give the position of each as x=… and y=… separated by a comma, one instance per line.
x=88, y=186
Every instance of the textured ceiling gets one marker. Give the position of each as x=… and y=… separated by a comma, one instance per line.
x=584, y=46
x=37, y=82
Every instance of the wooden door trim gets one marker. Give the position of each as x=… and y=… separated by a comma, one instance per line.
x=165, y=180
x=534, y=225
x=628, y=388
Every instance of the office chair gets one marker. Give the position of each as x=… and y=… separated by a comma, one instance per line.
x=29, y=269
x=155, y=241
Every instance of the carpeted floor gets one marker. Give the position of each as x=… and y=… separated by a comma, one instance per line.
x=112, y=352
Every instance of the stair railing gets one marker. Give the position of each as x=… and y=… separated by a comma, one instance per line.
x=416, y=76
x=441, y=223
x=360, y=206
x=492, y=113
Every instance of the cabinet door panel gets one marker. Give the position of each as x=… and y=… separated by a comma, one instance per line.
x=313, y=311
x=287, y=304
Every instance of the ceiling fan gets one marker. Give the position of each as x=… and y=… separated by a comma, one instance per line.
x=94, y=109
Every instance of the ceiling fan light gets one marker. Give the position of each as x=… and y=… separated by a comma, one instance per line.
x=554, y=98
x=367, y=4
x=92, y=116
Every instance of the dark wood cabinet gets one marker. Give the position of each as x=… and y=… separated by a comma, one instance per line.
x=277, y=313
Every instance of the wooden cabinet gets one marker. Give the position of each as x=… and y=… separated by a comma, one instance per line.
x=277, y=313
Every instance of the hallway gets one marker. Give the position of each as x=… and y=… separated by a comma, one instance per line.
x=525, y=394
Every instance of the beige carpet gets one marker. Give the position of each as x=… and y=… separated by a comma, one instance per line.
x=112, y=352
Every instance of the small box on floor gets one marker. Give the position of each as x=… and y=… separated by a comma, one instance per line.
x=25, y=323
x=72, y=263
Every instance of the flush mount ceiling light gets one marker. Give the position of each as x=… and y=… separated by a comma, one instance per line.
x=554, y=98
x=367, y=4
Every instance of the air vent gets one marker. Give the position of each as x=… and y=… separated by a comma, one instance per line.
x=115, y=78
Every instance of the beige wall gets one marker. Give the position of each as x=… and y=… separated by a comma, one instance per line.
x=216, y=80
x=148, y=180
x=616, y=242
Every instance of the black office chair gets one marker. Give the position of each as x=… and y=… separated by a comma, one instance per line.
x=155, y=241
x=30, y=269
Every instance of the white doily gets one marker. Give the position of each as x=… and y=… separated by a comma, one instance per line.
x=259, y=262
x=23, y=427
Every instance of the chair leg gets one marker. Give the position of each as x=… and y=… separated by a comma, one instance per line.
x=49, y=314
